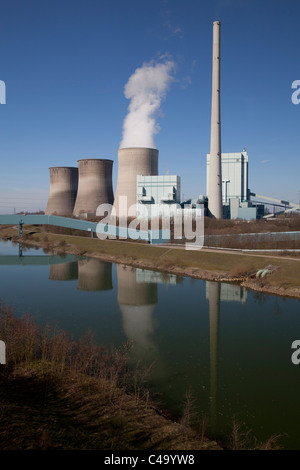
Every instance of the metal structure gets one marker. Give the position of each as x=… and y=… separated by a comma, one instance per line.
x=150, y=236
x=94, y=186
x=63, y=190
x=132, y=162
x=215, y=174
x=286, y=206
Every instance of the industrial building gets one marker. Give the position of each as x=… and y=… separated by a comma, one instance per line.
x=80, y=191
x=154, y=194
x=234, y=168
x=235, y=190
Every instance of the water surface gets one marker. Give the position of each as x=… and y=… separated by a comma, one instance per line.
x=229, y=347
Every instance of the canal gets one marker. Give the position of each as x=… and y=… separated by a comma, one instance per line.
x=227, y=348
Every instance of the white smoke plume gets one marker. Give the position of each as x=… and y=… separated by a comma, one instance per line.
x=146, y=88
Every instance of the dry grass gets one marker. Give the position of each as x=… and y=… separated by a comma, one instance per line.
x=56, y=393
x=241, y=438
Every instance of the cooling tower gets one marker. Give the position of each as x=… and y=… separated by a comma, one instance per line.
x=215, y=176
x=94, y=185
x=132, y=162
x=63, y=190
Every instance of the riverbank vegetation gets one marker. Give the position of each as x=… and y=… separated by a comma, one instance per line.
x=61, y=394
x=57, y=393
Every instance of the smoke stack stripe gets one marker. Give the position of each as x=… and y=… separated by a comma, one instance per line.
x=215, y=176
x=63, y=190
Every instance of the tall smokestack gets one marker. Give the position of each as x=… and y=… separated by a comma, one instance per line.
x=63, y=190
x=94, y=185
x=215, y=176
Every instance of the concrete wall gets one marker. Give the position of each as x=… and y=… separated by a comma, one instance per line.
x=131, y=163
x=94, y=185
x=63, y=190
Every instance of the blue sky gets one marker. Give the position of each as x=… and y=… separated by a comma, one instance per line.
x=65, y=64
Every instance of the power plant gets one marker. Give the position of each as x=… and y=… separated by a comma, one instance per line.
x=132, y=162
x=94, y=186
x=79, y=192
x=63, y=190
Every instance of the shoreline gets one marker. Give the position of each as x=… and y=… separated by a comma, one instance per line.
x=205, y=264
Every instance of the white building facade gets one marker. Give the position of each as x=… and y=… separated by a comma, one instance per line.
x=234, y=167
x=158, y=193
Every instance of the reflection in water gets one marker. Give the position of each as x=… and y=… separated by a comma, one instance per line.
x=94, y=275
x=249, y=374
x=63, y=271
x=137, y=303
x=213, y=289
x=230, y=292
x=143, y=276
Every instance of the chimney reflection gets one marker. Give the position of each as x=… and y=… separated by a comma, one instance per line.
x=214, y=293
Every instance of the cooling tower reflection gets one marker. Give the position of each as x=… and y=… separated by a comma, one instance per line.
x=137, y=303
x=63, y=271
x=94, y=275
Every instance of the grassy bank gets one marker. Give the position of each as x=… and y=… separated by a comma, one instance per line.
x=283, y=277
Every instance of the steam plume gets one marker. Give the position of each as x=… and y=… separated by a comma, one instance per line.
x=145, y=89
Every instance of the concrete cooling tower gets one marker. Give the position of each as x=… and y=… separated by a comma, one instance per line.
x=132, y=162
x=94, y=185
x=63, y=190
